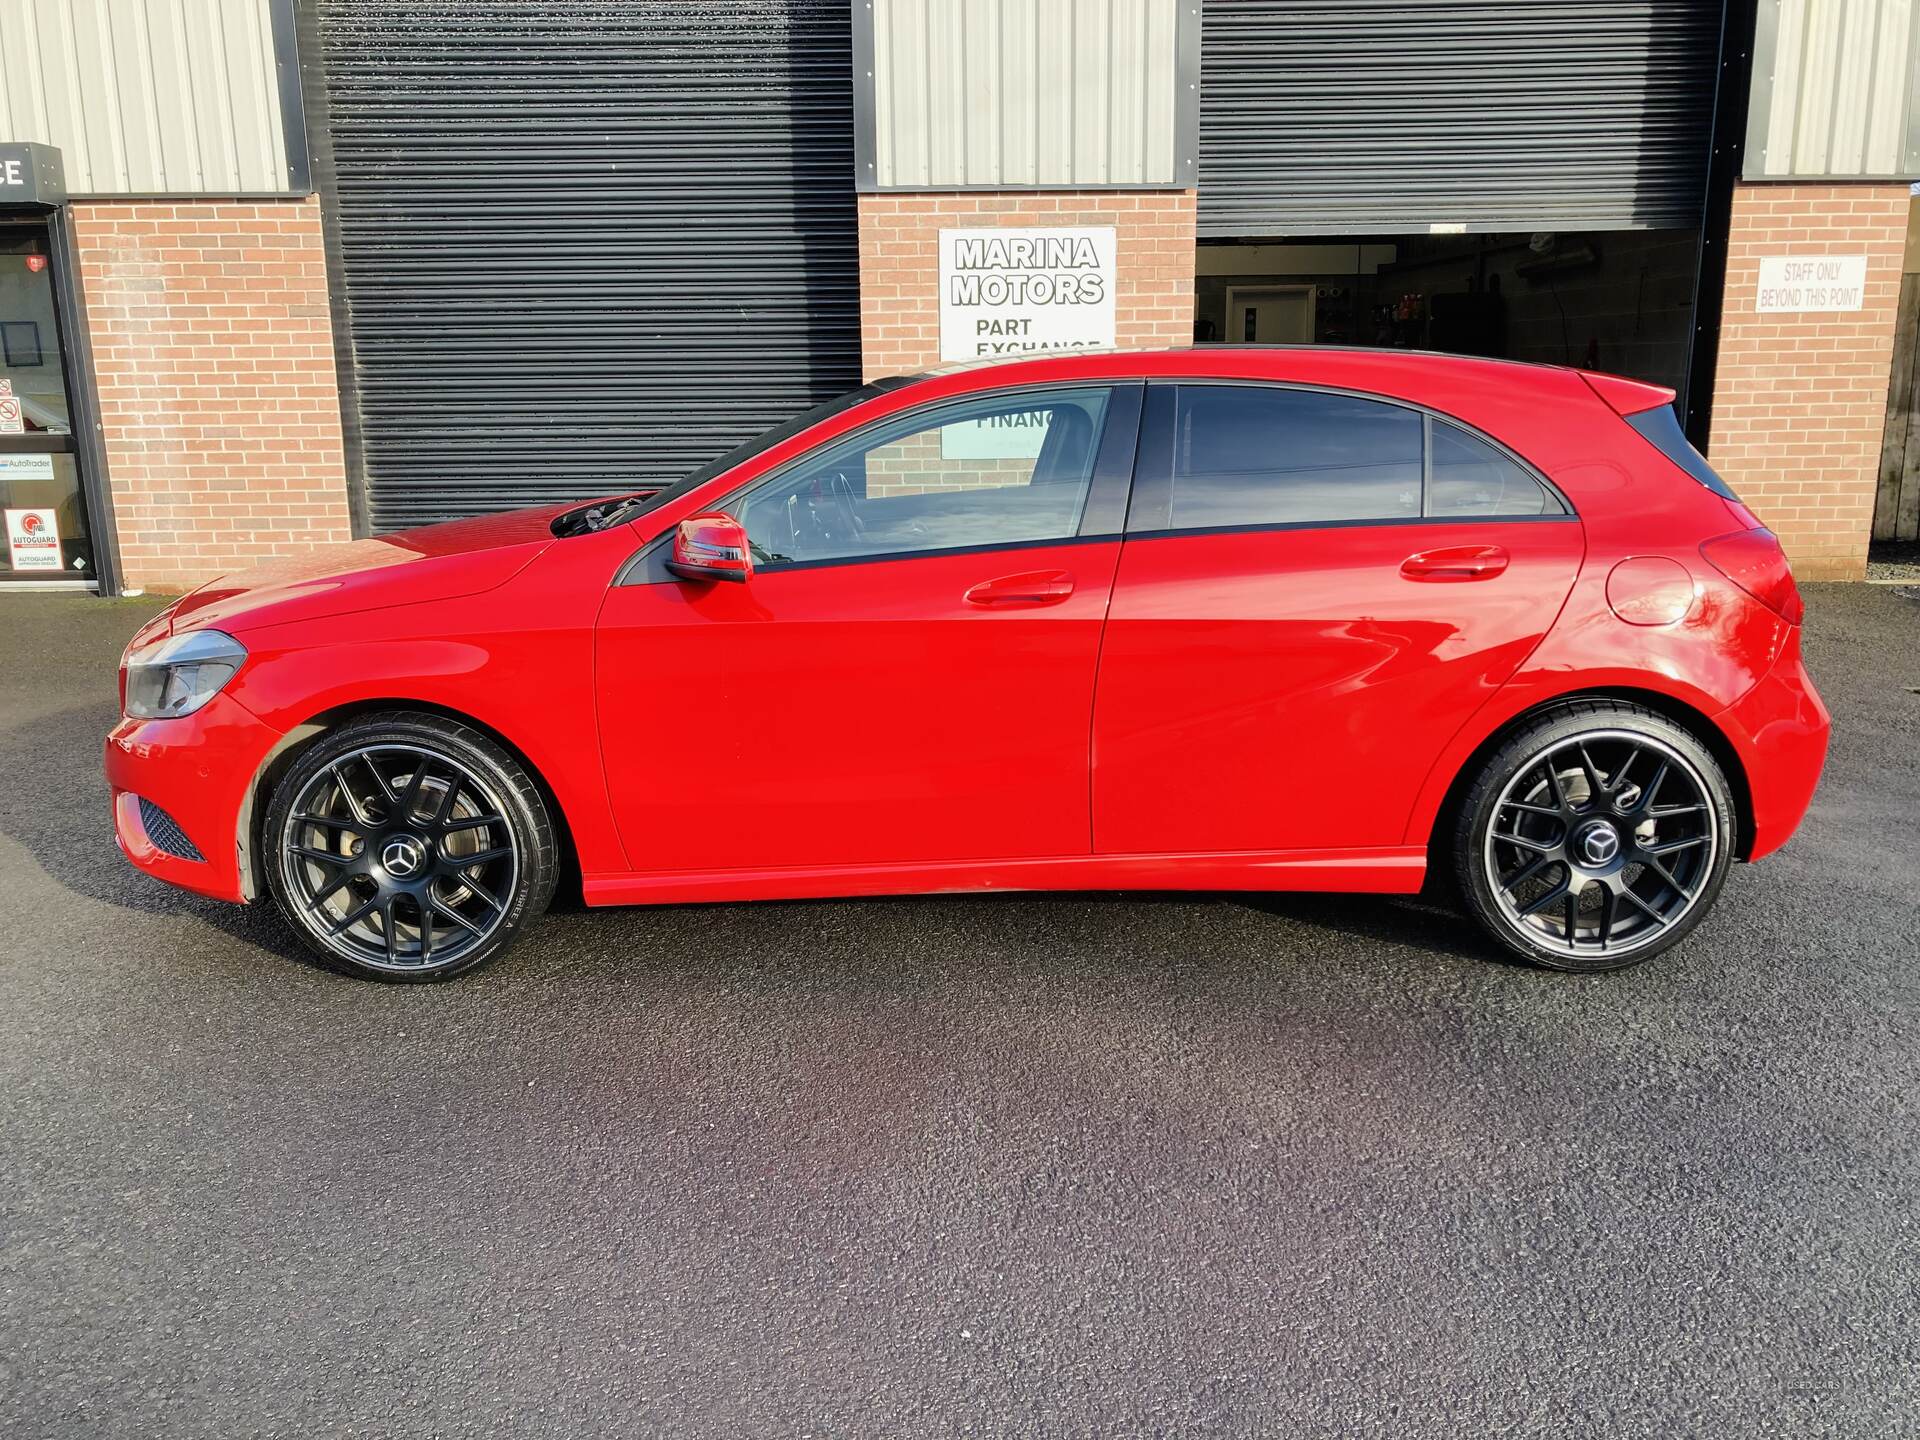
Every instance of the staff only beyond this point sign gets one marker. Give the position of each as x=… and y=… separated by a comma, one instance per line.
x=1013, y=292
x=1812, y=284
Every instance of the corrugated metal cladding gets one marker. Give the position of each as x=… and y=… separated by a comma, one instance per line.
x=147, y=97
x=1024, y=92
x=1324, y=117
x=1836, y=90
x=585, y=247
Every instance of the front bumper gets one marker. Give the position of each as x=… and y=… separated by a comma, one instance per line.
x=1780, y=728
x=199, y=770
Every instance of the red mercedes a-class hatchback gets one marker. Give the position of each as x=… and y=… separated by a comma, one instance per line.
x=1216, y=619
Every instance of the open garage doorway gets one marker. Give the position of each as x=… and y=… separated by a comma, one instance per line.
x=1620, y=301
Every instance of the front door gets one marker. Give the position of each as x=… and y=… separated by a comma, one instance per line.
x=908, y=675
x=1317, y=590
x=1271, y=314
x=47, y=532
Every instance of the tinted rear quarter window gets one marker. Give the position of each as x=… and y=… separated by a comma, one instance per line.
x=1661, y=428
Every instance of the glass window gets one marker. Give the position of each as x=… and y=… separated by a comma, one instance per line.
x=1470, y=477
x=1266, y=456
x=30, y=335
x=46, y=524
x=994, y=471
x=1662, y=427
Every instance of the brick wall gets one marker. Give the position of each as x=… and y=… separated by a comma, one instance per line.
x=1799, y=400
x=900, y=263
x=214, y=355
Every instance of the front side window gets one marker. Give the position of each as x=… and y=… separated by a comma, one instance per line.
x=1004, y=470
x=1247, y=456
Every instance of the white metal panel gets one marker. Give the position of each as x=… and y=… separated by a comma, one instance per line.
x=1126, y=155
x=1092, y=22
x=253, y=97
x=102, y=126
x=137, y=86
x=1813, y=116
x=1024, y=92
x=1019, y=94
x=1160, y=29
x=1833, y=90
x=980, y=49
x=1853, y=64
x=1781, y=96
x=1053, y=81
x=147, y=96
x=945, y=62
x=1896, y=53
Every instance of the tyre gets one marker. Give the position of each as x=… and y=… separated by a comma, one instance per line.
x=1595, y=838
x=408, y=847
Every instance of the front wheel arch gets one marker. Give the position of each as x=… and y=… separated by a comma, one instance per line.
x=280, y=759
x=1695, y=722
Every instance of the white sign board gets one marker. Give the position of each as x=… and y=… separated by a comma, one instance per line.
x=11, y=420
x=1012, y=292
x=999, y=437
x=1792, y=284
x=25, y=467
x=33, y=539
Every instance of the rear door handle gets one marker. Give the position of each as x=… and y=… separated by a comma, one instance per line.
x=1456, y=562
x=1035, y=587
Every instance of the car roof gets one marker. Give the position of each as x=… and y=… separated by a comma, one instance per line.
x=1416, y=375
x=1226, y=352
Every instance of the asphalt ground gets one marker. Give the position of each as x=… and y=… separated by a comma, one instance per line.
x=1289, y=1166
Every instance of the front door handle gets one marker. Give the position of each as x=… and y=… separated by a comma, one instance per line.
x=1035, y=587
x=1456, y=562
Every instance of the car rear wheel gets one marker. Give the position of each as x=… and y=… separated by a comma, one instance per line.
x=1595, y=838
x=408, y=847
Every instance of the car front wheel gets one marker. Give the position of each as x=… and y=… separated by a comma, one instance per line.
x=1595, y=838
x=408, y=847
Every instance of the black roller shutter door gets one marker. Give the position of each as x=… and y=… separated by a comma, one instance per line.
x=1394, y=116
x=583, y=246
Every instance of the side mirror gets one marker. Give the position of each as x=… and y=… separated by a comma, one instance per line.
x=711, y=547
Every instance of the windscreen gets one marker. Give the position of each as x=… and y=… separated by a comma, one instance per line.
x=765, y=440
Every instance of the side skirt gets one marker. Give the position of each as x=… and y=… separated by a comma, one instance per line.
x=1387, y=872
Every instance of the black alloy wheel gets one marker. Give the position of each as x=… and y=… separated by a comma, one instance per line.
x=1596, y=838
x=408, y=847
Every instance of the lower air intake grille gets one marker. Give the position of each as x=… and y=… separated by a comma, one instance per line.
x=165, y=832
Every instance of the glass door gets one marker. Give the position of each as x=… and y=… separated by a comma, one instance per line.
x=48, y=535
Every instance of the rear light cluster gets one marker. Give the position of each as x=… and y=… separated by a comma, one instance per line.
x=1753, y=560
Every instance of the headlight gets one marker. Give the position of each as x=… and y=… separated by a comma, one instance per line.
x=180, y=674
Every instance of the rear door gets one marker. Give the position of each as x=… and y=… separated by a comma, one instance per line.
x=907, y=676
x=1316, y=590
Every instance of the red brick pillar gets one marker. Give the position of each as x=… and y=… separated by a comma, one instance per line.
x=213, y=351
x=900, y=263
x=1799, y=399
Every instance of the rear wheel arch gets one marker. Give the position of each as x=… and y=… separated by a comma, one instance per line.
x=1694, y=721
x=280, y=759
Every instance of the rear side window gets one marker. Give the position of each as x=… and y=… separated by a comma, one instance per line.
x=1256, y=456
x=1246, y=456
x=1661, y=427
x=1469, y=477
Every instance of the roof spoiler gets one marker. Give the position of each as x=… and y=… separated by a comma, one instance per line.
x=1627, y=397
